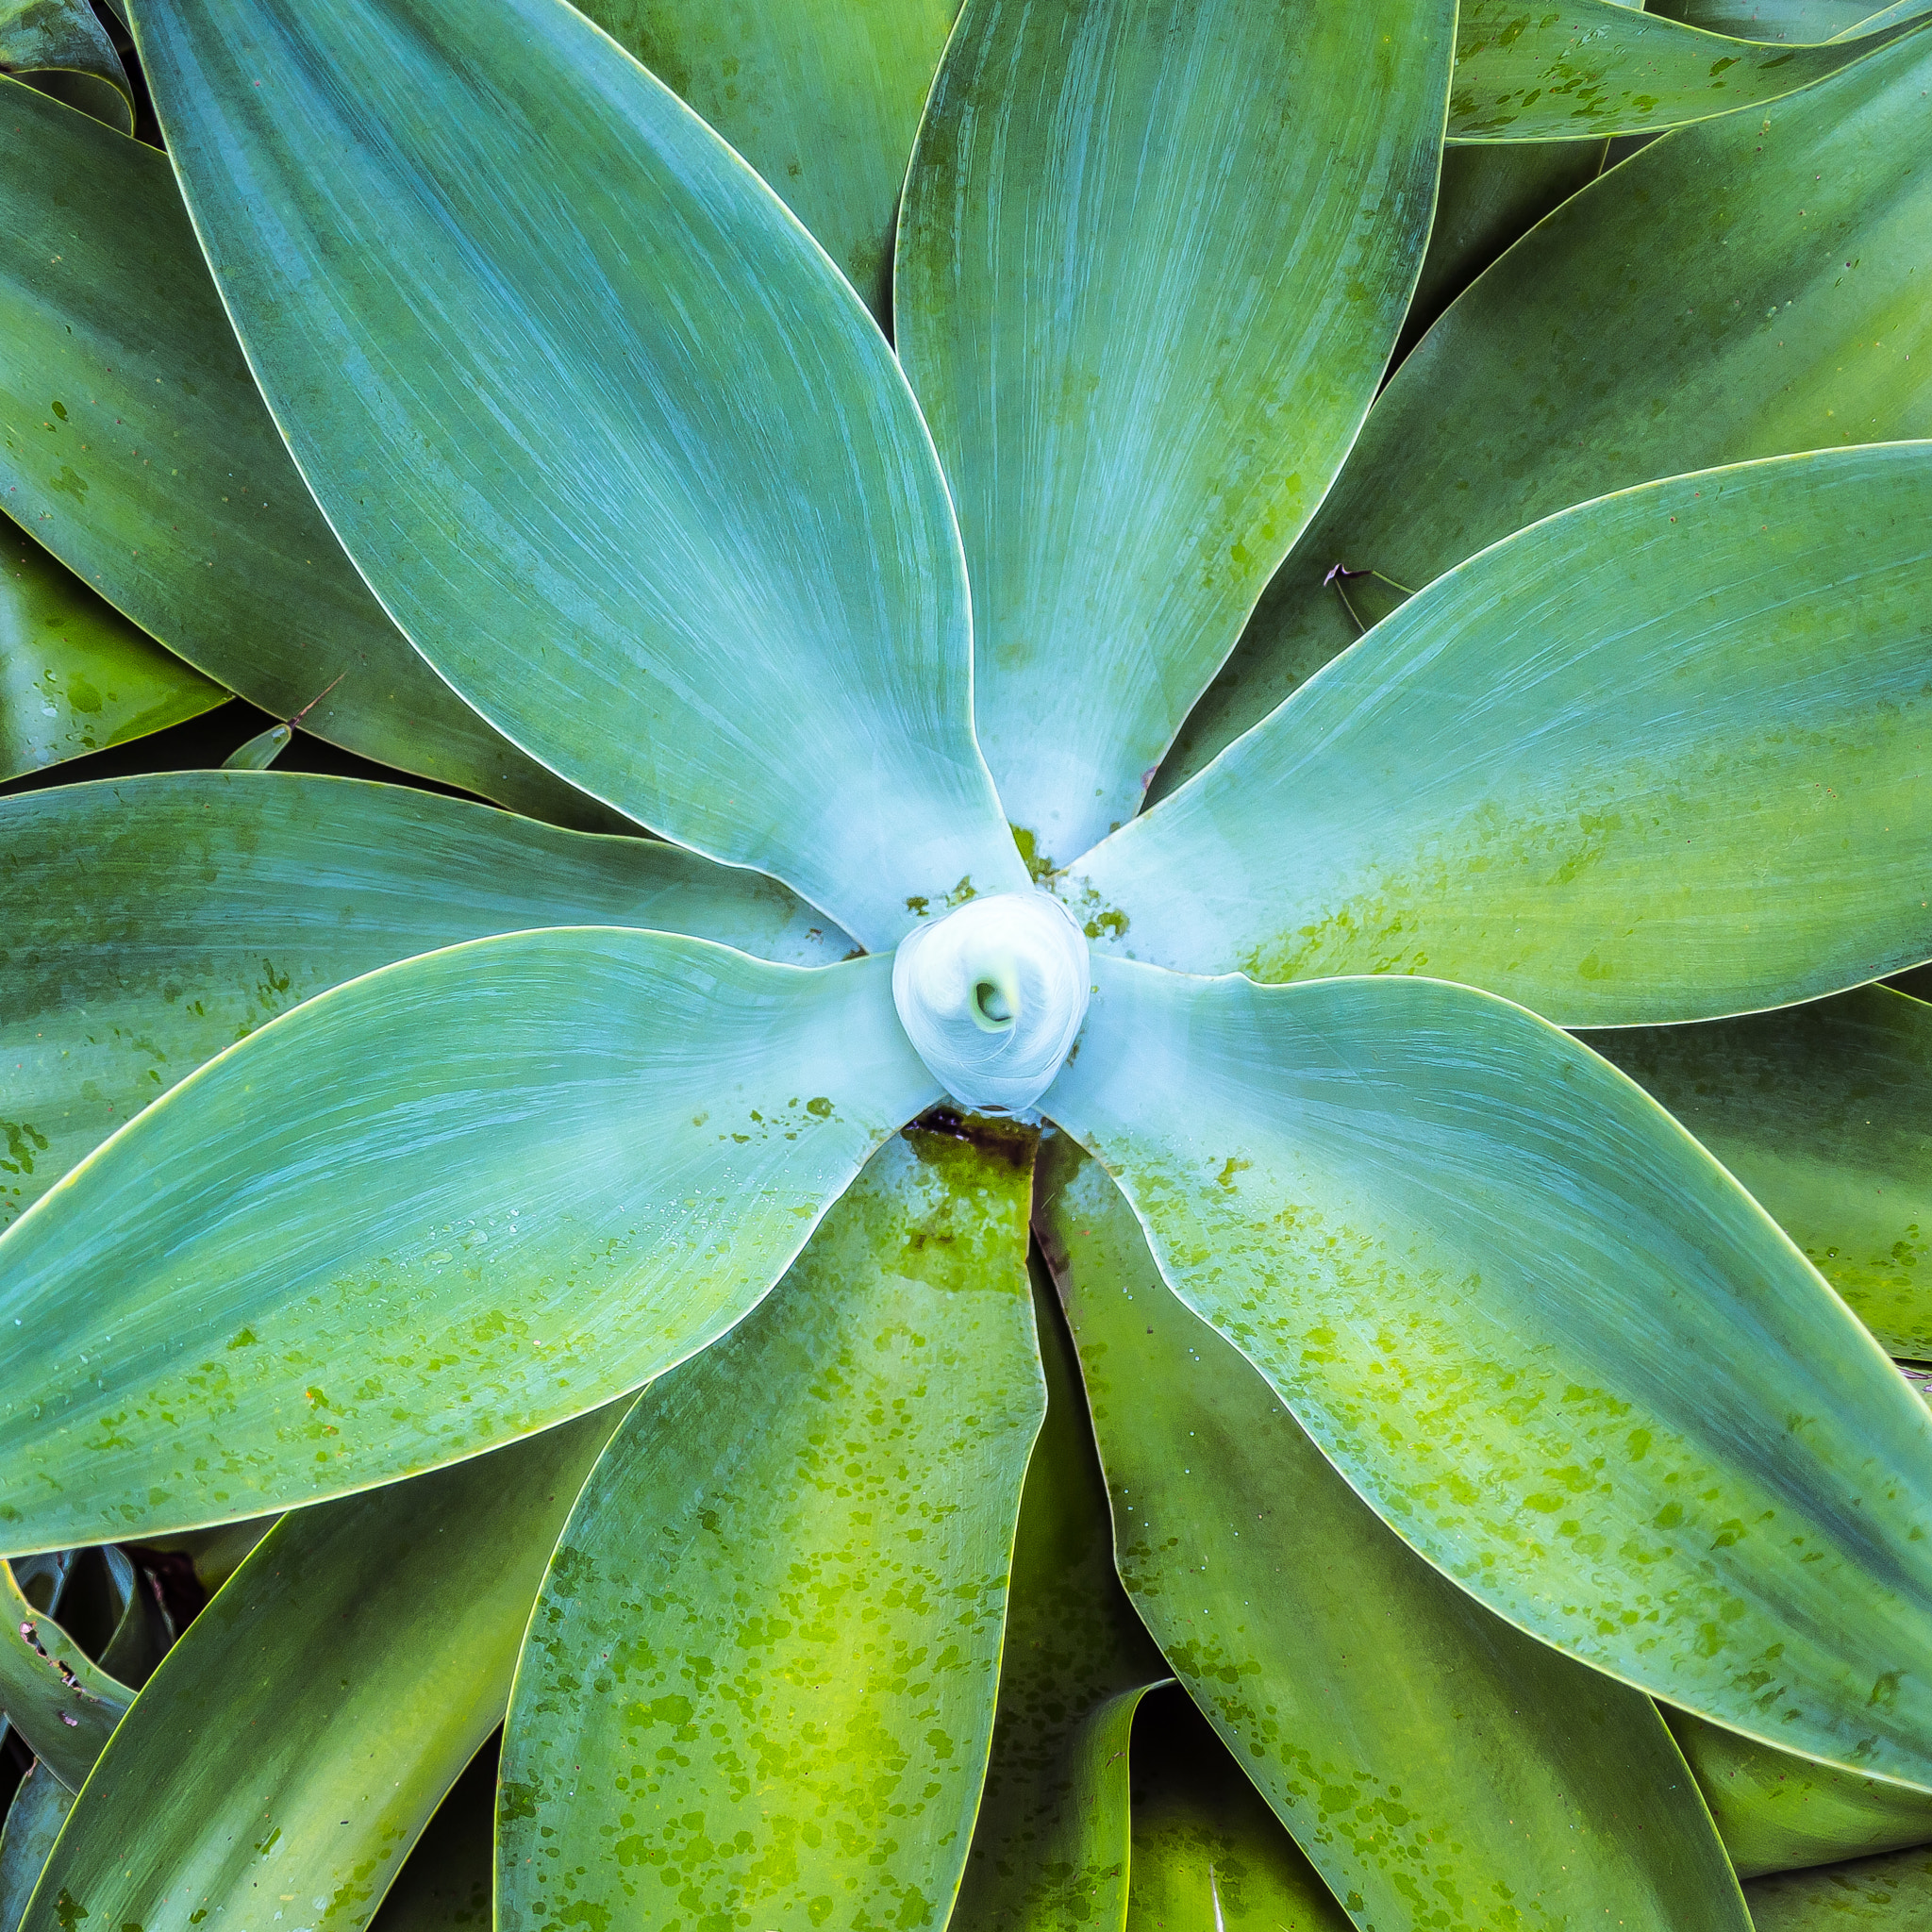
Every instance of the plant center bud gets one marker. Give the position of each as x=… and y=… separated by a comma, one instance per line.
x=993, y=996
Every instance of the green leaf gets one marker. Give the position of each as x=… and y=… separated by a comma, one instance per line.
x=653, y=462
x=65, y=51
x=1733, y=292
x=761, y=1672
x=1050, y=1845
x=1541, y=1333
x=156, y=920
x=76, y=676
x=259, y=752
x=1888, y=1894
x=1775, y=1811
x=148, y=465
x=1416, y=1745
x=1665, y=756
x=429, y=1211
x=444, y=1885
x=1598, y=67
x=822, y=97
x=34, y=1819
x=1208, y=1855
x=1794, y=21
x=60, y=1702
x=1141, y=375
x=1825, y=1113
x=294, y=1744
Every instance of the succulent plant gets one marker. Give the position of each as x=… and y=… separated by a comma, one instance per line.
x=1149, y=1169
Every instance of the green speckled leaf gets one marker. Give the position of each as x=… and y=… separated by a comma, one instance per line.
x=643, y=481
x=1775, y=1811
x=1888, y=1895
x=1417, y=1746
x=154, y=921
x=431, y=1210
x=759, y=1685
x=76, y=676
x=822, y=97
x=1736, y=290
x=296, y=1742
x=1597, y=67
x=60, y=1702
x=1208, y=1855
x=445, y=1881
x=138, y=452
x=1665, y=756
x=1825, y=1113
x=34, y=1819
x=1051, y=1842
x=1154, y=258
x=1542, y=1332
x=60, y=47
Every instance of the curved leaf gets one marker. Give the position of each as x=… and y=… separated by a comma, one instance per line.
x=1153, y=261
x=1208, y=1855
x=62, y=1703
x=150, y=467
x=1733, y=292
x=66, y=51
x=822, y=97
x=34, y=1818
x=1599, y=67
x=330, y=1694
x=1774, y=1811
x=1050, y=1844
x=76, y=676
x=1797, y=22
x=1665, y=756
x=458, y=1199
x=154, y=921
x=1417, y=1747
x=1541, y=1333
x=444, y=1885
x=1825, y=1113
x=761, y=1670
x=641, y=479
x=1888, y=1894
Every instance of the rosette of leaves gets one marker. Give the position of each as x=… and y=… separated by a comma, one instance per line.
x=1477, y=1175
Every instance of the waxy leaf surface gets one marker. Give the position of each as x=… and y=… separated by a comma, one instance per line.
x=1050, y=1846
x=759, y=1680
x=1599, y=67
x=1419, y=1748
x=1825, y=1113
x=64, y=49
x=154, y=921
x=1775, y=1811
x=140, y=455
x=64, y=1705
x=617, y=448
x=292, y=1746
x=1888, y=1895
x=1744, y=288
x=1794, y=21
x=40, y=1808
x=1541, y=1333
x=458, y=1199
x=445, y=1882
x=1665, y=756
x=1153, y=261
x=822, y=97
x=76, y=676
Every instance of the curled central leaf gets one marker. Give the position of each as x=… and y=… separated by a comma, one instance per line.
x=991, y=997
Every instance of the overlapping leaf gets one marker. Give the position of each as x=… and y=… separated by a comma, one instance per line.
x=616, y=447
x=761, y=1672
x=156, y=920
x=142, y=455
x=1740, y=289
x=34, y=1818
x=1153, y=260
x=1888, y=1895
x=1542, y=1332
x=64, y=49
x=1665, y=756
x=64, y=1705
x=429, y=1211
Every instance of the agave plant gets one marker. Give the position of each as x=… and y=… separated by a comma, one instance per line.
x=1132, y=1129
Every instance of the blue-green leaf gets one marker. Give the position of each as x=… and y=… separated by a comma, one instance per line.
x=616, y=446
x=429, y=1211
x=62, y=48
x=1542, y=1334
x=40, y=1808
